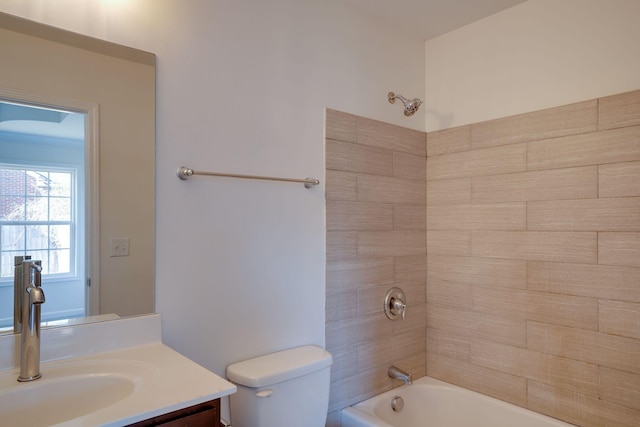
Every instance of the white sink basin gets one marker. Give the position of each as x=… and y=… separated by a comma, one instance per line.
x=69, y=390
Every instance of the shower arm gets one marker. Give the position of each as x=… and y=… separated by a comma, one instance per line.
x=392, y=98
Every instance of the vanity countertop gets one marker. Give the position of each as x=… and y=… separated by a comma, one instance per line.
x=111, y=387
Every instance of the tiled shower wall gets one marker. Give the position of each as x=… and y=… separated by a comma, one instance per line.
x=533, y=242
x=533, y=234
x=376, y=239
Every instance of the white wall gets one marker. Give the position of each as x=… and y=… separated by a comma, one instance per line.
x=539, y=54
x=242, y=87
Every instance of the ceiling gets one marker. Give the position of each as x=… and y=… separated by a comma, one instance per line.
x=425, y=19
x=31, y=120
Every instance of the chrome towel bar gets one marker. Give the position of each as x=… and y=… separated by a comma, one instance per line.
x=184, y=173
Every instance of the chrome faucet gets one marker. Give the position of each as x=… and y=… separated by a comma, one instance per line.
x=31, y=299
x=398, y=374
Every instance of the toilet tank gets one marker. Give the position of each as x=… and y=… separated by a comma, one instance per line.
x=287, y=388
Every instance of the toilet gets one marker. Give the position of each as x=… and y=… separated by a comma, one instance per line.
x=287, y=388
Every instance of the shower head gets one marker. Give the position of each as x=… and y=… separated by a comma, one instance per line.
x=410, y=105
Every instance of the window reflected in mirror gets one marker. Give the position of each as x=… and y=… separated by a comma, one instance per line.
x=42, y=205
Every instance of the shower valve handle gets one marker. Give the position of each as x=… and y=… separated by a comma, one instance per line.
x=399, y=306
x=395, y=304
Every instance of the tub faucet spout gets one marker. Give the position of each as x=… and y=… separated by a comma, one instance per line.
x=398, y=374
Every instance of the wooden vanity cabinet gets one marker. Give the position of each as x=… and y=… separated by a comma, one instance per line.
x=203, y=415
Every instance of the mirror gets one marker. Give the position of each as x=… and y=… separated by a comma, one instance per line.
x=111, y=89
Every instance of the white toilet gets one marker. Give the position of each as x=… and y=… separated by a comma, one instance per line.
x=287, y=388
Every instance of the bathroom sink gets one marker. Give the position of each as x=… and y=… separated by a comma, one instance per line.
x=69, y=390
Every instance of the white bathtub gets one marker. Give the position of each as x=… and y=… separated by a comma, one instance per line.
x=432, y=403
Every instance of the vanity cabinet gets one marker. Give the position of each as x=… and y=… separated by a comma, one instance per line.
x=203, y=415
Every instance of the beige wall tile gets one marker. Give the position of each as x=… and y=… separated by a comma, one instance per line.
x=412, y=269
x=341, y=185
x=409, y=217
x=354, y=331
x=597, y=281
x=565, y=310
x=441, y=293
x=349, y=157
x=453, y=320
x=341, y=304
x=619, y=249
x=344, y=215
x=449, y=243
x=340, y=126
x=349, y=390
x=383, y=353
x=556, y=371
x=619, y=214
x=620, y=318
x=577, y=408
x=449, y=191
x=589, y=346
x=619, y=110
x=478, y=271
x=610, y=146
x=442, y=344
x=491, y=382
x=504, y=216
x=344, y=362
x=580, y=247
x=349, y=273
x=620, y=387
x=449, y=140
x=457, y=323
x=392, y=137
x=619, y=180
x=409, y=166
x=550, y=123
x=501, y=329
x=342, y=245
x=571, y=183
x=487, y=161
x=391, y=190
x=391, y=243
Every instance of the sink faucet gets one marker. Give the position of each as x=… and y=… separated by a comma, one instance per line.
x=398, y=374
x=32, y=299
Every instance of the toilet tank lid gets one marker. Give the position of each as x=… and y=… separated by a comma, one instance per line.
x=277, y=367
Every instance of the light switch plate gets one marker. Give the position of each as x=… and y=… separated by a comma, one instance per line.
x=119, y=246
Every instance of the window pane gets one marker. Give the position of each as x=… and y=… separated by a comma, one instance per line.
x=13, y=237
x=6, y=269
x=37, y=183
x=37, y=237
x=12, y=208
x=60, y=184
x=60, y=237
x=59, y=262
x=12, y=181
x=37, y=209
x=60, y=209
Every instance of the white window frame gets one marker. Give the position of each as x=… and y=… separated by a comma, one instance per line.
x=73, y=222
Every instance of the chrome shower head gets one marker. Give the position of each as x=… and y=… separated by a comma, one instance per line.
x=410, y=105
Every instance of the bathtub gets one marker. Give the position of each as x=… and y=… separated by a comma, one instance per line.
x=432, y=403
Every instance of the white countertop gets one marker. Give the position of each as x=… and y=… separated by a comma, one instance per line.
x=165, y=381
